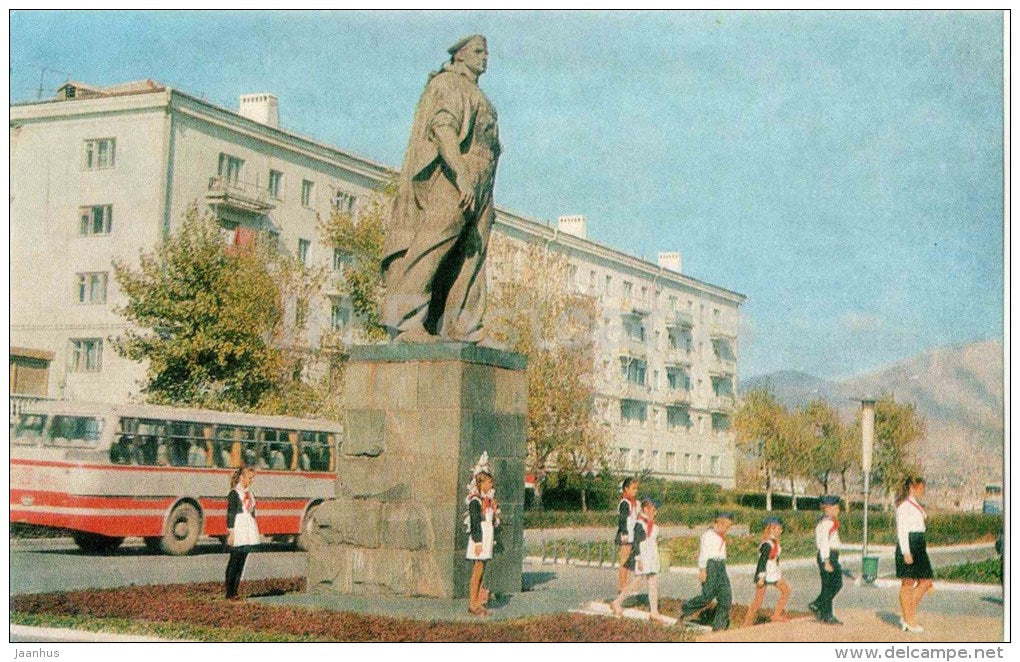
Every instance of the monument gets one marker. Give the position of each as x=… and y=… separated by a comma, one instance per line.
x=422, y=409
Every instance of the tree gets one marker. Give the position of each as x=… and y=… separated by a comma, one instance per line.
x=793, y=446
x=897, y=428
x=204, y=319
x=758, y=423
x=829, y=434
x=533, y=310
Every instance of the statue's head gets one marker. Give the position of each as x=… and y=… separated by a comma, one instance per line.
x=472, y=51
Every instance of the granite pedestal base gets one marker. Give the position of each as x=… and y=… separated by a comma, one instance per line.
x=418, y=418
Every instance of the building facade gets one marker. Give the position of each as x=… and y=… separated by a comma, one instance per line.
x=99, y=174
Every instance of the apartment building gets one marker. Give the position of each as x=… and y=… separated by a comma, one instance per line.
x=103, y=173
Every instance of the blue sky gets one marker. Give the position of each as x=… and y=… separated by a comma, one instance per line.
x=841, y=169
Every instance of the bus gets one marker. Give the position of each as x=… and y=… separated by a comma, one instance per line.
x=109, y=471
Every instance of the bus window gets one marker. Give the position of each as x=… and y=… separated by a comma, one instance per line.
x=148, y=444
x=251, y=449
x=279, y=448
x=314, y=451
x=74, y=431
x=29, y=429
x=197, y=456
x=223, y=451
x=180, y=443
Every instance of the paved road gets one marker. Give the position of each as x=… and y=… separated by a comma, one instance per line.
x=39, y=566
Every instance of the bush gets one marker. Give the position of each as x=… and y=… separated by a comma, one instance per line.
x=981, y=572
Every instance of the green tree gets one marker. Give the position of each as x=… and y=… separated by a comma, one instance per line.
x=204, y=320
x=898, y=427
x=359, y=240
x=758, y=422
x=830, y=440
x=794, y=447
x=534, y=311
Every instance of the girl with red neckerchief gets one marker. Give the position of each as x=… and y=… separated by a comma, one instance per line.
x=643, y=561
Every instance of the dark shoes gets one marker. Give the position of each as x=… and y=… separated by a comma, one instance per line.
x=814, y=609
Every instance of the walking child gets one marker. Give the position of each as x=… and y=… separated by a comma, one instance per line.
x=828, y=544
x=715, y=583
x=643, y=561
x=627, y=514
x=767, y=573
x=482, y=519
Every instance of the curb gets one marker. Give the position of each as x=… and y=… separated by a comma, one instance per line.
x=62, y=635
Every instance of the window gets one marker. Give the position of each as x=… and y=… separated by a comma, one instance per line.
x=303, y=248
x=100, y=153
x=644, y=294
x=633, y=411
x=722, y=386
x=300, y=313
x=687, y=463
x=97, y=219
x=77, y=431
x=633, y=328
x=230, y=168
x=341, y=259
x=698, y=469
x=672, y=303
x=679, y=338
x=275, y=183
x=340, y=317
x=306, y=193
x=655, y=379
x=342, y=201
x=722, y=349
x=633, y=370
x=641, y=459
x=86, y=354
x=678, y=418
x=92, y=287
x=671, y=462
x=720, y=422
x=591, y=283
x=655, y=460
x=628, y=289
x=678, y=379
x=713, y=463
x=609, y=286
x=623, y=458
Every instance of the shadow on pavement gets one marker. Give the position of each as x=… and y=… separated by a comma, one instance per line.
x=529, y=580
x=889, y=617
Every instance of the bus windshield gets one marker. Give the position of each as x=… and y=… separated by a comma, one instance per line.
x=76, y=431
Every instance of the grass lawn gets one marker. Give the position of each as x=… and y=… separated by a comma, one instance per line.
x=979, y=572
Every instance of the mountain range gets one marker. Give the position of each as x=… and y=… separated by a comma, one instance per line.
x=959, y=392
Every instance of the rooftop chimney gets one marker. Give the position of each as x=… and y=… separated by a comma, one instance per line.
x=576, y=225
x=670, y=260
x=262, y=108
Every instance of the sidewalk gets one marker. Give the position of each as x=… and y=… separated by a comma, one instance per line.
x=865, y=625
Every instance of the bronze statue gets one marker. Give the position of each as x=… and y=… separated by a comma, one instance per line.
x=434, y=256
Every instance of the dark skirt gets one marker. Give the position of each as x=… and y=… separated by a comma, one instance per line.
x=921, y=567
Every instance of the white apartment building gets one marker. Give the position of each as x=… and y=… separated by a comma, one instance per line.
x=103, y=173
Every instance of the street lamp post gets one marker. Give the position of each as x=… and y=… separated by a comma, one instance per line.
x=869, y=565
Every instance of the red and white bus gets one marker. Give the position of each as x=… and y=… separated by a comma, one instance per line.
x=106, y=471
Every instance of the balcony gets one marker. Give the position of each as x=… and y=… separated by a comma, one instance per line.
x=240, y=196
x=677, y=396
x=680, y=318
x=721, y=402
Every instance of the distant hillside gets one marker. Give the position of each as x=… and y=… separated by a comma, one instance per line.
x=957, y=389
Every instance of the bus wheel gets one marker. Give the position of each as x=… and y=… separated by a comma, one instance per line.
x=153, y=543
x=95, y=542
x=181, y=530
x=304, y=538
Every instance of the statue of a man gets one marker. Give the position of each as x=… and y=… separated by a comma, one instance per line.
x=434, y=256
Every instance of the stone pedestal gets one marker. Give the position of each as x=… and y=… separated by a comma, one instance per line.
x=418, y=418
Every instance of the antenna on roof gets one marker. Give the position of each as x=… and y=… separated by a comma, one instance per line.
x=42, y=76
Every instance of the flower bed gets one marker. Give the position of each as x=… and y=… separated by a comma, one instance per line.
x=201, y=608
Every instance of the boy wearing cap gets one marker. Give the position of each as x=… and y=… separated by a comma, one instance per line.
x=828, y=544
x=768, y=573
x=643, y=561
x=715, y=583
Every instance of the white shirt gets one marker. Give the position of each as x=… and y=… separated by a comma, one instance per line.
x=713, y=546
x=910, y=518
x=827, y=538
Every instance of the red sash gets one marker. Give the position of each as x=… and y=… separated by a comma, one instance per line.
x=247, y=502
x=835, y=527
x=774, y=551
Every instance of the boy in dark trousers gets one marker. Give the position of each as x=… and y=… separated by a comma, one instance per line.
x=828, y=544
x=627, y=514
x=715, y=583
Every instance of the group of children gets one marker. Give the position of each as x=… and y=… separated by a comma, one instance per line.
x=637, y=538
